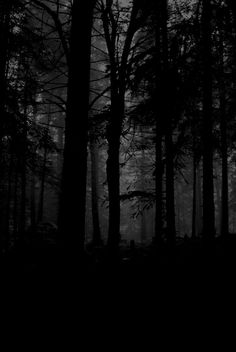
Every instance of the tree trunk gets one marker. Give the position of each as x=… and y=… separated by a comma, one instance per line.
x=118, y=88
x=4, y=35
x=143, y=236
x=94, y=181
x=73, y=190
x=15, y=209
x=170, y=195
x=32, y=197
x=224, y=146
x=208, y=186
x=9, y=195
x=194, y=205
x=158, y=142
x=42, y=187
x=198, y=199
x=170, y=192
x=23, y=157
x=113, y=175
x=217, y=199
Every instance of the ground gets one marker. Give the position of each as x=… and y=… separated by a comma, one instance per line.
x=143, y=287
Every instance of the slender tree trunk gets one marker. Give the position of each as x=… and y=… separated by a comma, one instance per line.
x=208, y=186
x=113, y=136
x=113, y=174
x=42, y=187
x=23, y=165
x=224, y=146
x=15, y=209
x=4, y=36
x=9, y=195
x=143, y=217
x=60, y=147
x=73, y=190
x=158, y=142
x=43, y=172
x=118, y=88
x=194, y=198
x=198, y=199
x=170, y=192
x=170, y=197
x=23, y=198
x=94, y=181
x=217, y=198
x=33, y=184
x=194, y=183
x=32, y=197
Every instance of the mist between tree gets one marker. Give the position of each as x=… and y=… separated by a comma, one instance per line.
x=117, y=131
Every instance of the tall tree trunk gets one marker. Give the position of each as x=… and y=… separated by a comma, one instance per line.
x=32, y=197
x=158, y=142
x=42, y=186
x=23, y=198
x=194, y=205
x=43, y=171
x=9, y=195
x=113, y=134
x=198, y=199
x=217, y=198
x=170, y=192
x=113, y=175
x=4, y=36
x=143, y=236
x=118, y=87
x=194, y=197
x=208, y=186
x=224, y=145
x=170, y=195
x=94, y=181
x=73, y=190
x=15, y=209
x=23, y=157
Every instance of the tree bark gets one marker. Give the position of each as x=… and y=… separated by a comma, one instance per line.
x=158, y=142
x=194, y=195
x=94, y=181
x=42, y=187
x=113, y=176
x=208, y=186
x=170, y=191
x=15, y=209
x=73, y=189
x=224, y=145
x=118, y=88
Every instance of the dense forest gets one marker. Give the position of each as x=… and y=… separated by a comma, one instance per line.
x=117, y=135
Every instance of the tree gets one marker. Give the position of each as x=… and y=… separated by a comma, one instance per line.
x=118, y=79
x=94, y=183
x=73, y=189
x=159, y=130
x=168, y=85
x=208, y=187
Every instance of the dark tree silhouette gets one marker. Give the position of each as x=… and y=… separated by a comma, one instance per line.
x=97, y=240
x=73, y=189
x=118, y=79
x=159, y=129
x=208, y=187
x=168, y=85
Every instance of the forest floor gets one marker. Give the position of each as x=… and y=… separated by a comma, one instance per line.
x=141, y=285
x=192, y=262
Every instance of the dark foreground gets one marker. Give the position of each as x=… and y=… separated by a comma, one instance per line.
x=102, y=295
x=192, y=262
